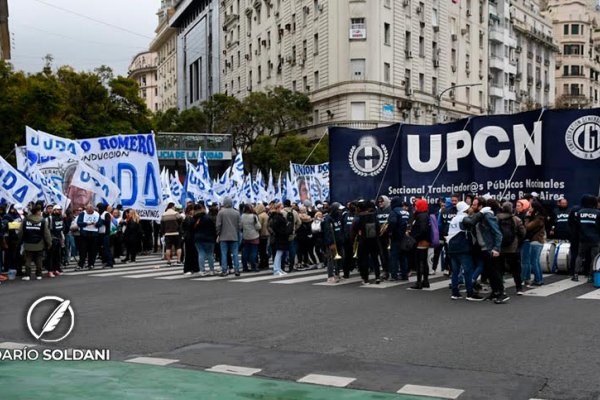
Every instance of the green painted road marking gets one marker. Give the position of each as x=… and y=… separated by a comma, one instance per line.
x=117, y=380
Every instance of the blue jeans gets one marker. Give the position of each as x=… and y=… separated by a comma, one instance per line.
x=292, y=252
x=71, y=247
x=232, y=246
x=478, y=267
x=464, y=260
x=206, y=250
x=526, y=261
x=398, y=261
x=278, y=259
x=534, y=259
x=249, y=253
x=108, y=257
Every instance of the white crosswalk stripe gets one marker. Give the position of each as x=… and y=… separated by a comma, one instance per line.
x=153, y=267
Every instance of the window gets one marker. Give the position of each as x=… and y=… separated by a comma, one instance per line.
x=305, y=83
x=434, y=86
x=453, y=58
x=358, y=28
x=258, y=16
x=574, y=89
x=357, y=66
x=468, y=93
x=468, y=33
x=316, y=44
x=386, y=34
x=259, y=74
x=407, y=78
x=566, y=29
x=250, y=80
x=422, y=82
x=421, y=46
x=434, y=17
x=315, y=116
x=574, y=29
x=293, y=86
x=407, y=41
x=386, y=72
x=316, y=78
x=386, y=3
x=358, y=110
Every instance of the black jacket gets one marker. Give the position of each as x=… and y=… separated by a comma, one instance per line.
x=205, y=230
x=277, y=225
x=420, y=228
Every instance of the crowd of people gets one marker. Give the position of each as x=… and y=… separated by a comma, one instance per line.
x=475, y=239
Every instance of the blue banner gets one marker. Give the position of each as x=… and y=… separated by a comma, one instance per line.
x=553, y=153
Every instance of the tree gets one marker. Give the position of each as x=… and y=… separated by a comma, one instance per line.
x=267, y=154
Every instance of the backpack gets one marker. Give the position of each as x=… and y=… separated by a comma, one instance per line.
x=289, y=223
x=370, y=230
x=508, y=229
x=434, y=231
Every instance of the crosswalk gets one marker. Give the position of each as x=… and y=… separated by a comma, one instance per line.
x=152, y=267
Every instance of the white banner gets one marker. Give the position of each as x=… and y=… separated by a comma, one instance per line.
x=312, y=181
x=88, y=179
x=47, y=145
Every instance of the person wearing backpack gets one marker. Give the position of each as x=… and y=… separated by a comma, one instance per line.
x=292, y=224
x=459, y=253
x=484, y=226
x=513, y=233
x=365, y=231
x=34, y=233
x=420, y=230
x=397, y=224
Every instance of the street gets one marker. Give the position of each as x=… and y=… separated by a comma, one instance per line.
x=381, y=337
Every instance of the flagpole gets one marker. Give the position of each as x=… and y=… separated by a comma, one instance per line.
x=314, y=148
x=388, y=164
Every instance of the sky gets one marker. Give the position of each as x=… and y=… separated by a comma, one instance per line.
x=39, y=27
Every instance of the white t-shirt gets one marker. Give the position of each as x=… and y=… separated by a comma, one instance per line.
x=87, y=218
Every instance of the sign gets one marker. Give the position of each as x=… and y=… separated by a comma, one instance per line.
x=554, y=153
x=358, y=33
x=387, y=112
x=312, y=181
x=192, y=155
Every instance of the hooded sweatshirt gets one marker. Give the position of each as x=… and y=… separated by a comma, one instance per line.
x=587, y=221
x=383, y=212
x=458, y=239
x=229, y=222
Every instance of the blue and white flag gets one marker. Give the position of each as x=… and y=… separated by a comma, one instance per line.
x=89, y=179
x=51, y=146
x=237, y=175
x=194, y=184
x=15, y=187
x=176, y=187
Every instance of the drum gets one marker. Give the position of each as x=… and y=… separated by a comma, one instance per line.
x=563, y=255
x=547, y=257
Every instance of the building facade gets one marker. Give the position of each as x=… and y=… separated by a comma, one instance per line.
x=361, y=63
x=534, y=56
x=198, y=56
x=4, y=32
x=143, y=70
x=165, y=46
x=578, y=63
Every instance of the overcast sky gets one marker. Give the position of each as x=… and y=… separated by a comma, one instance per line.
x=38, y=29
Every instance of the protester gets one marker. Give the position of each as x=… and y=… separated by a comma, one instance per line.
x=333, y=240
x=132, y=235
x=263, y=244
x=35, y=235
x=170, y=225
x=56, y=227
x=75, y=237
x=104, y=235
x=278, y=226
x=397, y=228
x=12, y=258
x=420, y=230
x=292, y=238
x=513, y=233
x=228, y=231
x=365, y=231
x=587, y=226
x=250, y=238
x=382, y=213
x=190, y=261
x=205, y=235
x=535, y=233
x=89, y=223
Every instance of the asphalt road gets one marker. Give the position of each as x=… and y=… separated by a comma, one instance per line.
x=530, y=348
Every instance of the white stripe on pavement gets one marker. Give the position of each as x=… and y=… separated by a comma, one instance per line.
x=232, y=276
x=15, y=346
x=431, y=391
x=234, y=370
x=152, y=361
x=553, y=288
x=595, y=295
x=155, y=274
x=109, y=270
x=327, y=380
x=139, y=271
x=266, y=278
x=437, y=285
x=341, y=282
x=302, y=279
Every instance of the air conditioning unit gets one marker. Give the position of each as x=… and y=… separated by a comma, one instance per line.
x=452, y=95
x=453, y=68
x=247, y=56
x=436, y=63
x=264, y=43
x=463, y=31
x=468, y=12
x=454, y=37
x=409, y=92
x=248, y=33
x=249, y=88
x=419, y=10
x=405, y=3
x=408, y=54
x=467, y=65
x=276, y=14
x=289, y=59
x=436, y=28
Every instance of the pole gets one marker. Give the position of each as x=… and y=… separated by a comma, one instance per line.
x=438, y=98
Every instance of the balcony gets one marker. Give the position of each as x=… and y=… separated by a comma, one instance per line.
x=496, y=90
x=496, y=35
x=497, y=62
x=529, y=80
x=229, y=19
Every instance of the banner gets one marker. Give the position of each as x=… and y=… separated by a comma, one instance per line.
x=88, y=179
x=553, y=153
x=312, y=181
x=49, y=146
x=130, y=162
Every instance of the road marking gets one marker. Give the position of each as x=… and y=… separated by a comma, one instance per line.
x=342, y=282
x=133, y=267
x=152, y=361
x=231, y=276
x=303, y=279
x=326, y=380
x=15, y=346
x=553, y=288
x=139, y=271
x=431, y=391
x=155, y=274
x=595, y=295
x=266, y=278
x=438, y=285
x=384, y=285
x=234, y=370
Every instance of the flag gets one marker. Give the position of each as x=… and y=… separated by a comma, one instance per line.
x=237, y=175
x=16, y=188
x=85, y=177
x=46, y=145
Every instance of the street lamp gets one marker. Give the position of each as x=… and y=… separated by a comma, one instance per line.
x=438, y=98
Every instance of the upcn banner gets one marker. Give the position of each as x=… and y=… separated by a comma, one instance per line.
x=554, y=153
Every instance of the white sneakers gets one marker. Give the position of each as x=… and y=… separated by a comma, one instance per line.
x=26, y=278
x=279, y=273
x=188, y=273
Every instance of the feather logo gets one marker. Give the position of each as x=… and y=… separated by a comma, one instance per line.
x=53, y=320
